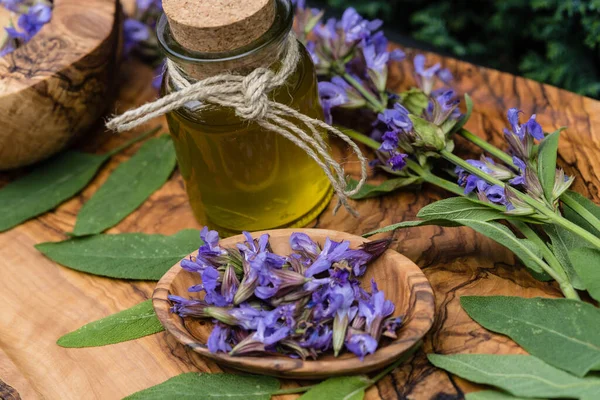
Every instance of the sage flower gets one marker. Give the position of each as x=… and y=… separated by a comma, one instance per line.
x=361, y=345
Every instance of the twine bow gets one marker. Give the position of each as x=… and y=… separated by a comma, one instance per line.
x=248, y=96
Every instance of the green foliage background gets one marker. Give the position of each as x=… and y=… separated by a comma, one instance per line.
x=553, y=41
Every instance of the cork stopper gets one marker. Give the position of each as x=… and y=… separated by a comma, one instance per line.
x=214, y=26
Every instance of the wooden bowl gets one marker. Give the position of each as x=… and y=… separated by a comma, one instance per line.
x=400, y=279
x=57, y=85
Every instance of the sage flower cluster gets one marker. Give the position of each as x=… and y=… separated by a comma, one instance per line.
x=302, y=305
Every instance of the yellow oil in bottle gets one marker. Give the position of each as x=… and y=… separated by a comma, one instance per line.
x=239, y=176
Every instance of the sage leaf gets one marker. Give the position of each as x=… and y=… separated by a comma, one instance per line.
x=547, y=163
x=456, y=208
x=411, y=224
x=195, y=386
x=465, y=118
x=133, y=323
x=525, y=249
x=339, y=388
x=124, y=256
x=560, y=332
x=563, y=241
x=368, y=191
x=586, y=203
x=50, y=184
x=586, y=261
x=519, y=375
x=494, y=395
x=127, y=187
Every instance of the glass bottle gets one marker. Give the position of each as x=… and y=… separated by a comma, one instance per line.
x=239, y=176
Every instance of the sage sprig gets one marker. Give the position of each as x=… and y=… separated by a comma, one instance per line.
x=51, y=183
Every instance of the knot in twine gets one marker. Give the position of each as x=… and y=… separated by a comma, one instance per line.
x=248, y=96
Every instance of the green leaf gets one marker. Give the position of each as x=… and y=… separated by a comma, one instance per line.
x=339, y=388
x=411, y=224
x=133, y=323
x=467, y=116
x=561, y=332
x=493, y=395
x=50, y=184
x=519, y=375
x=456, y=208
x=589, y=205
x=525, y=249
x=547, y=163
x=586, y=261
x=563, y=241
x=124, y=256
x=127, y=187
x=368, y=190
x=210, y=386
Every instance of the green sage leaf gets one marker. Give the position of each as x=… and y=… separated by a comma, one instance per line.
x=411, y=224
x=586, y=261
x=339, y=388
x=125, y=256
x=467, y=116
x=456, y=208
x=561, y=332
x=50, y=184
x=195, y=386
x=494, y=395
x=547, y=163
x=368, y=191
x=127, y=187
x=519, y=375
x=563, y=241
x=586, y=203
x=133, y=323
x=525, y=249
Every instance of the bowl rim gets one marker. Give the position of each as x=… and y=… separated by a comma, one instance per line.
x=421, y=309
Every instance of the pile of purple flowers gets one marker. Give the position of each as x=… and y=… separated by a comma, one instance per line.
x=301, y=305
x=30, y=16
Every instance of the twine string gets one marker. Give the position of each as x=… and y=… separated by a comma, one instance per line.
x=248, y=96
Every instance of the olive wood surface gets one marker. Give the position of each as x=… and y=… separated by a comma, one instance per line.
x=55, y=87
x=43, y=301
x=399, y=278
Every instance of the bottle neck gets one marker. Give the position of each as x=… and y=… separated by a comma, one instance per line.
x=264, y=52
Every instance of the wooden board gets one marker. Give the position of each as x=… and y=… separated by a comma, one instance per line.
x=42, y=301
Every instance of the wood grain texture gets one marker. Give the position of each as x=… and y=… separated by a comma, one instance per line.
x=43, y=301
x=59, y=84
x=399, y=278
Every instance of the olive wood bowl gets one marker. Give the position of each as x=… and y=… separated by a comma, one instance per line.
x=401, y=280
x=56, y=86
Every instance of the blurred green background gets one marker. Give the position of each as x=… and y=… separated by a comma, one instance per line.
x=553, y=41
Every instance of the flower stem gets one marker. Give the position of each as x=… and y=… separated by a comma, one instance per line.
x=415, y=167
x=428, y=177
x=405, y=356
x=537, y=205
x=377, y=105
x=561, y=276
x=488, y=147
x=132, y=141
x=359, y=137
x=579, y=209
x=300, y=389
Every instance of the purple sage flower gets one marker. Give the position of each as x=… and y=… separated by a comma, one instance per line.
x=219, y=339
x=361, y=345
x=426, y=77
